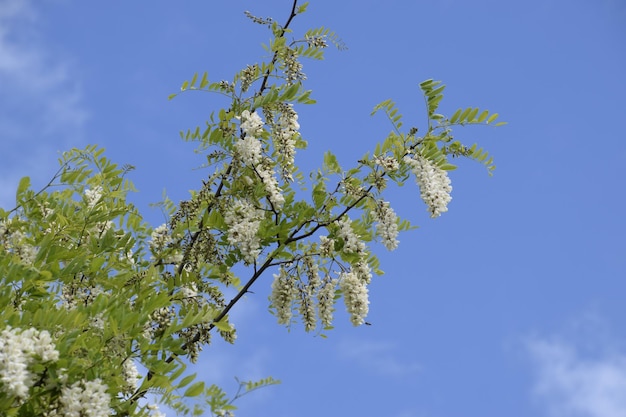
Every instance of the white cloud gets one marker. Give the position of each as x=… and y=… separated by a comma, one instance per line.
x=378, y=357
x=571, y=384
x=41, y=110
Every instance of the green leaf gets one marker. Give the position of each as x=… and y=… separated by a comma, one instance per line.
x=194, y=79
x=195, y=390
x=455, y=116
x=492, y=118
x=483, y=116
x=223, y=325
x=184, y=86
x=22, y=187
x=204, y=81
x=186, y=380
x=330, y=163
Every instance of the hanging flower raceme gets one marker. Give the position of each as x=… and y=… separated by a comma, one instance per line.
x=243, y=221
x=85, y=398
x=387, y=227
x=434, y=184
x=355, y=296
x=285, y=133
x=19, y=351
x=352, y=242
x=249, y=149
x=284, y=292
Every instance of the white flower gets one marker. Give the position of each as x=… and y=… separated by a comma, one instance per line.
x=131, y=376
x=18, y=351
x=93, y=196
x=352, y=243
x=251, y=123
x=160, y=238
x=326, y=302
x=387, y=226
x=243, y=222
x=85, y=399
x=249, y=150
x=355, y=296
x=327, y=246
x=285, y=133
x=433, y=182
x=363, y=271
x=284, y=292
x=389, y=163
x=271, y=186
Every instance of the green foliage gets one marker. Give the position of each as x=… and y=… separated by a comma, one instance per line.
x=77, y=259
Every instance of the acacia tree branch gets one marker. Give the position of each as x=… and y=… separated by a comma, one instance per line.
x=216, y=195
x=218, y=191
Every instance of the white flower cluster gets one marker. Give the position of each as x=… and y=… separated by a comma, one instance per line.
x=389, y=163
x=307, y=304
x=131, y=376
x=387, y=226
x=249, y=150
x=74, y=295
x=326, y=302
x=292, y=67
x=159, y=320
x=18, y=351
x=284, y=292
x=327, y=246
x=363, y=271
x=85, y=399
x=271, y=186
x=243, y=221
x=285, y=133
x=251, y=123
x=352, y=243
x=434, y=184
x=160, y=238
x=93, y=196
x=17, y=243
x=355, y=296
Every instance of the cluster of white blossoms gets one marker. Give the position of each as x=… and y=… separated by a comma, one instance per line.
x=389, y=163
x=286, y=129
x=159, y=320
x=160, y=238
x=284, y=292
x=131, y=376
x=307, y=304
x=243, y=221
x=327, y=246
x=387, y=226
x=93, y=196
x=352, y=243
x=19, y=350
x=249, y=150
x=251, y=123
x=355, y=296
x=434, y=184
x=326, y=301
x=85, y=399
x=15, y=241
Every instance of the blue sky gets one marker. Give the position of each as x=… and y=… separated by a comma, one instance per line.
x=511, y=304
